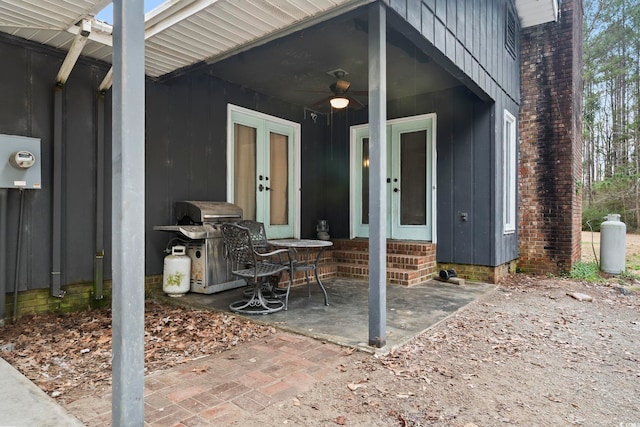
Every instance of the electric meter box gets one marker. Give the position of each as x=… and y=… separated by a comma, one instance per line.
x=20, y=162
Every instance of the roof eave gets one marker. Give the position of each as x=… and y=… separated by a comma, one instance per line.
x=536, y=12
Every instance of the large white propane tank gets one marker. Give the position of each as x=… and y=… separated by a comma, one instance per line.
x=177, y=272
x=613, y=242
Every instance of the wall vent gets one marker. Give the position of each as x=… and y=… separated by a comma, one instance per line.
x=510, y=33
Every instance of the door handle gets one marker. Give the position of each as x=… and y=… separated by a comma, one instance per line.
x=260, y=187
x=395, y=190
x=267, y=188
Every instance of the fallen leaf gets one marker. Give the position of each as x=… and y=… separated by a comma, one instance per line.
x=200, y=369
x=103, y=339
x=354, y=387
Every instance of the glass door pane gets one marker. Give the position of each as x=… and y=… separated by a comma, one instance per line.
x=278, y=182
x=413, y=173
x=364, y=190
x=245, y=169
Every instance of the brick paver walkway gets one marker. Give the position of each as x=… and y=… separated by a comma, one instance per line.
x=220, y=389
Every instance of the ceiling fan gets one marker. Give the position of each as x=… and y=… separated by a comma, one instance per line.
x=341, y=97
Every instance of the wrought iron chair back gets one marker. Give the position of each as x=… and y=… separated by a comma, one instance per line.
x=237, y=243
x=257, y=234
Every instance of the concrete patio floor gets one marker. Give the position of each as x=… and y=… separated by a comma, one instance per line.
x=345, y=321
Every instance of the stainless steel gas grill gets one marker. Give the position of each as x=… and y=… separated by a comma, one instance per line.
x=197, y=226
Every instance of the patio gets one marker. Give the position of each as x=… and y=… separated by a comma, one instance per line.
x=410, y=310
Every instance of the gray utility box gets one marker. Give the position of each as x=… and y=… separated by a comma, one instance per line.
x=20, y=162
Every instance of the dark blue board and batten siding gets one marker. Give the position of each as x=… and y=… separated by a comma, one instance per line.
x=27, y=86
x=468, y=39
x=185, y=157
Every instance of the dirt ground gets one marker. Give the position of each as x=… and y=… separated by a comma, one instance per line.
x=537, y=351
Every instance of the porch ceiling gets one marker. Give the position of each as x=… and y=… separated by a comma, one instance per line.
x=283, y=49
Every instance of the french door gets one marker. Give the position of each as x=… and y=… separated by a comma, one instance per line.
x=262, y=173
x=410, y=179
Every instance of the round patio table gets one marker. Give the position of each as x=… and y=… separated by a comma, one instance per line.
x=307, y=264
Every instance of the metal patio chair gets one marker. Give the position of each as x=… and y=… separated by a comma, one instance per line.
x=255, y=267
x=258, y=236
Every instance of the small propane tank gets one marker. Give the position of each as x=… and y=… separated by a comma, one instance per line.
x=177, y=272
x=613, y=242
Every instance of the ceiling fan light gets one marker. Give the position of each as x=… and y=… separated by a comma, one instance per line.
x=339, y=102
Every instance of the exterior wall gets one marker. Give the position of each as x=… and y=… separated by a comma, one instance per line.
x=27, y=85
x=468, y=39
x=185, y=158
x=550, y=135
x=186, y=143
x=480, y=273
x=465, y=151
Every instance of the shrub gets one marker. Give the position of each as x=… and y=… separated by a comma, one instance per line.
x=586, y=271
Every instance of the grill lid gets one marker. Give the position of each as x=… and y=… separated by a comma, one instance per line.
x=206, y=211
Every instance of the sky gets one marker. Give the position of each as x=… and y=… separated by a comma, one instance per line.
x=107, y=13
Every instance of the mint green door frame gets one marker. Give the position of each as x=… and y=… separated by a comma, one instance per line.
x=266, y=125
x=396, y=129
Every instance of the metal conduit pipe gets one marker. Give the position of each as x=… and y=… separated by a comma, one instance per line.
x=18, y=250
x=56, y=223
x=98, y=262
x=3, y=252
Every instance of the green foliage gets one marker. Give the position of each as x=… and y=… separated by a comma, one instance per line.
x=611, y=101
x=593, y=214
x=616, y=194
x=586, y=271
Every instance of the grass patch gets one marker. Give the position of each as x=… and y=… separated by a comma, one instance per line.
x=633, y=262
x=586, y=271
x=628, y=275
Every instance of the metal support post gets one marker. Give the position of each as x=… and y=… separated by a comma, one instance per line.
x=128, y=210
x=377, y=175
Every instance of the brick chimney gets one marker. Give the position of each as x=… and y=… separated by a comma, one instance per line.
x=550, y=126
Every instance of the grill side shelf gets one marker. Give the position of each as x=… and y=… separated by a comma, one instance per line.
x=191, y=231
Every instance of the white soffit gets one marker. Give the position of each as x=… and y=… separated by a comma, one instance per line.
x=178, y=33
x=202, y=30
x=53, y=23
x=536, y=12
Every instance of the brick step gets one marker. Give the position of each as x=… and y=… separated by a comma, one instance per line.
x=399, y=261
x=408, y=262
x=394, y=275
x=393, y=247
